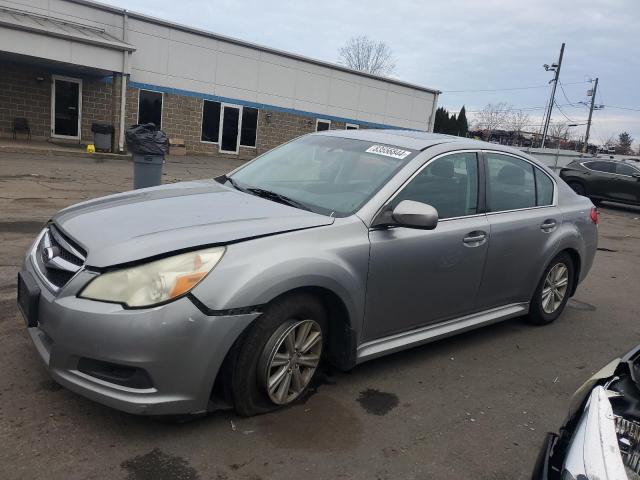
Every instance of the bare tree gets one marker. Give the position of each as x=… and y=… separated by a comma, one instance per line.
x=493, y=117
x=366, y=55
x=559, y=130
x=517, y=120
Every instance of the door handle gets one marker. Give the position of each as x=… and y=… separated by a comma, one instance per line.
x=474, y=239
x=548, y=225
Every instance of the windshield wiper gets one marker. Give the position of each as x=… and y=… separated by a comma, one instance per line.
x=278, y=197
x=233, y=183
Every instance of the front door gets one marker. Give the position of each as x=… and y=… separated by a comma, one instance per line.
x=66, y=106
x=418, y=277
x=230, y=128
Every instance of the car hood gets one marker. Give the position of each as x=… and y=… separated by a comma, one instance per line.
x=145, y=223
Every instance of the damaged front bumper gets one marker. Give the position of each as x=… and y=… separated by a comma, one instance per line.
x=600, y=439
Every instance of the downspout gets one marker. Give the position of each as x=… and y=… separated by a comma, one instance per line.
x=123, y=82
x=432, y=117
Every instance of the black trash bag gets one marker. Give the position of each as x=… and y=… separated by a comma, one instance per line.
x=146, y=139
x=103, y=128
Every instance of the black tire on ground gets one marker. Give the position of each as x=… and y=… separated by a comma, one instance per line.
x=244, y=385
x=578, y=188
x=537, y=314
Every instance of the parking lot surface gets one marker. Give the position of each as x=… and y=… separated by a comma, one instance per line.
x=472, y=406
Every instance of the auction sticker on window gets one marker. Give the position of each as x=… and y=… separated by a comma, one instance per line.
x=388, y=151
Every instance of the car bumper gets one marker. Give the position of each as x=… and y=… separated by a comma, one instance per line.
x=179, y=347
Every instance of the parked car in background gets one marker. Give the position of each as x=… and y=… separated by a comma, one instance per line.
x=616, y=181
x=343, y=245
x=600, y=439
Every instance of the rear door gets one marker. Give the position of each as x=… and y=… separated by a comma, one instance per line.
x=602, y=179
x=419, y=277
x=523, y=216
x=628, y=183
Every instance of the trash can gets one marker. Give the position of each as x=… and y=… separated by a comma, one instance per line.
x=147, y=170
x=102, y=136
x=148, y=146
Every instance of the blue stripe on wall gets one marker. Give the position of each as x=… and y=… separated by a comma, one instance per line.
x=264, y=106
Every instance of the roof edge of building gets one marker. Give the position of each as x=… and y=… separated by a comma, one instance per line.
x=236, y=41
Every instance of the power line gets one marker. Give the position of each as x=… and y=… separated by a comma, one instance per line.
x=563, y=114
x=507, y=89
x=624, y=108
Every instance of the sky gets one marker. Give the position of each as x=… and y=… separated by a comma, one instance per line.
x=475, y=52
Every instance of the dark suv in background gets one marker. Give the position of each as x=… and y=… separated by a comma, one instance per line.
x=617, y=181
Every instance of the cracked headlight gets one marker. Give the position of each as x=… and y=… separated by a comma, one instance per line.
x=155, y=282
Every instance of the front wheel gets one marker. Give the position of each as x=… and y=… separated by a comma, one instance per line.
x=279, y=355
x=552, y=293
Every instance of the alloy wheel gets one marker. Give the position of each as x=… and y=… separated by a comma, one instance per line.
x=555, y=288
x=292, y=361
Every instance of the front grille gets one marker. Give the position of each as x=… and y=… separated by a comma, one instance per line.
x=58, y=258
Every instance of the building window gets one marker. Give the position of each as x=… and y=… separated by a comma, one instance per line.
x=351, y=126
x=150, y=107
x=249, y=127
x=210, y=121
x=322, y=125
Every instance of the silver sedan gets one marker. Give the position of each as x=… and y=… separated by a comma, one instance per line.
x=340, y=246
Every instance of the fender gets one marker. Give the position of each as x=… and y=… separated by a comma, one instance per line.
x=254, y=272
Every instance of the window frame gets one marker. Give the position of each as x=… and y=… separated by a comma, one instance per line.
x=635, y=170
x=351, y=126
x=240, y=130
x=554, y=202
x=221, y=128
x=161, y=105
x=323, y=120
x=584, y=164
x=204, y=100
x=481, y=209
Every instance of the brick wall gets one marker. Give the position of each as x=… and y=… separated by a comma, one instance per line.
x=182, y=118
x=97, y=105
x=22, y=95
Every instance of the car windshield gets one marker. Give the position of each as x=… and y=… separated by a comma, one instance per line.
x=324, y=174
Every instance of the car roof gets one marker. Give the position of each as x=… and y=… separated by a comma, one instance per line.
x=413, y=139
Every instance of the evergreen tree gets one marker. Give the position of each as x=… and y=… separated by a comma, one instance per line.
x=462, y=126
x=440, y=123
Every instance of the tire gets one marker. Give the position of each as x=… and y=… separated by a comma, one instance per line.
x=253, y=356
x=542, y=309
x=578, y=188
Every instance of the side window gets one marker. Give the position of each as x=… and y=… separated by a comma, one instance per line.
x=622, y=169
x=510, y=183
x=605, y=167
x=449, y=184
x=322, y=125
x=150, y=107
x=544, y=188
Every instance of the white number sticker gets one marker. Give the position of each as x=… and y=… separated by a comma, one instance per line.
x=388, y=151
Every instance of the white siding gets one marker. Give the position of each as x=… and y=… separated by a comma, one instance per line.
x=170, y=57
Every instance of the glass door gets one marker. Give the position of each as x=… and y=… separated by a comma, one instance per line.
x=230, y=128
x=66, y=106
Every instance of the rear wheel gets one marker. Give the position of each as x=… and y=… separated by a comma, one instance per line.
x=279, y=355
x=552, y=293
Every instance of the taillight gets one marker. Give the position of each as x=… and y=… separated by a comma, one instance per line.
x=594, y=215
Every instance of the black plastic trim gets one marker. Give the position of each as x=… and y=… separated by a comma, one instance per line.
x=226, y=312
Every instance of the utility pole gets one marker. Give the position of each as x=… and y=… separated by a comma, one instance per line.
x=554, y=67
x=593, y=101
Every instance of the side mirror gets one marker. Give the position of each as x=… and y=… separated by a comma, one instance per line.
x=411, y=214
